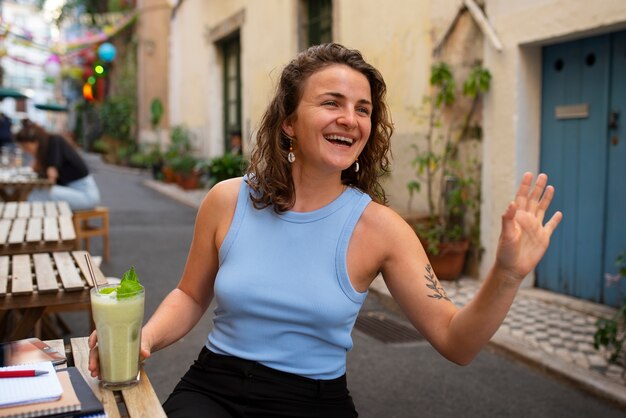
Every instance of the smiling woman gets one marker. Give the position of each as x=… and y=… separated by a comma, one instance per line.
x=290, y=250
x=347, y=97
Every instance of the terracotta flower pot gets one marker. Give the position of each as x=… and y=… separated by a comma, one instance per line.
x=188, y=181
x=448, y=264
x=169, y=176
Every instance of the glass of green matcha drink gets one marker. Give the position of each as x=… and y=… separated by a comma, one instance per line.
x=118, y=315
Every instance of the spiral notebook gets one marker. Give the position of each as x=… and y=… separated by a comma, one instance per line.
x=66, y=403
x=23, y=390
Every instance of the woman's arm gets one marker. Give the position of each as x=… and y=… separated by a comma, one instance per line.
x=181, y=310
x=52, y=174
x=459, y=334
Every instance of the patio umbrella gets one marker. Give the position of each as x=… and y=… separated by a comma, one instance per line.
x=11, y=92
x=52, y=107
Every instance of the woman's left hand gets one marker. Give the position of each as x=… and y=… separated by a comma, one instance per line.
x=524, y=238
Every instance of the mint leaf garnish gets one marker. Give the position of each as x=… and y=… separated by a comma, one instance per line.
x=129, y=285
x=107, y=290
x=130, y=275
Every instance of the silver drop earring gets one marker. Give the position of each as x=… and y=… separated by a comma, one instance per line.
x=356, y=165
x=291, y=157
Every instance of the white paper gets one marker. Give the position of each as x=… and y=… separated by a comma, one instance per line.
x=24, y=390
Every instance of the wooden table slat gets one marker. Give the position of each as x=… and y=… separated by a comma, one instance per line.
x=79, y=257
x=50, y=229
x=4, y=274
x=33, y=232
x=23, y=210
x=141, y=400
x=18, y=231
x=21, y=277
x=44, y=273
x=5, y=227
x=50, y=208
x=80, y=352
x=10, y=210
x=37, y=210
x=70, y=276
x=66, y=228
x=64, y=209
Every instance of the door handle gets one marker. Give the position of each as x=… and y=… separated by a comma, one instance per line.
x=614, y=120
x=614, y=126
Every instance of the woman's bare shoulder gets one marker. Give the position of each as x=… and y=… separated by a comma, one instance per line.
x=223, y=194
x=380, y=218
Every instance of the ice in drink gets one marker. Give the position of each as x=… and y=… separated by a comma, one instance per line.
x=118, y=320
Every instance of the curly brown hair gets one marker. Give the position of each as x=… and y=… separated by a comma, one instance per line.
x=269, y=173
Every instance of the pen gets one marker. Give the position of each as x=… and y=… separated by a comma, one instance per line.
x=21, y=373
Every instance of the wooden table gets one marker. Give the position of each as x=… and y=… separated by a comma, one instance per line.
x=17, y=189
x=12, y=210
x=135, y=402
x=36, y=227
x=31, y=282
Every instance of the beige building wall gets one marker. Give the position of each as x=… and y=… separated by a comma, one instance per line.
x=512, y=109
x=397, y=40
x=188, y=71
x=152, y=63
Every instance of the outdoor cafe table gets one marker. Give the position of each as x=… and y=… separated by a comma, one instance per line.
x=16, y=185
x=137, y=401
x=31, y=282
x=36, y=227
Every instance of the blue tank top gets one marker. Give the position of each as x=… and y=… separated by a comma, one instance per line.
x=283, y=293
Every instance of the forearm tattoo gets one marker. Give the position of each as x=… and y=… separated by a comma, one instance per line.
x=434, y=285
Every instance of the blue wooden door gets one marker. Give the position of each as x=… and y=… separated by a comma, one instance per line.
x=583, y=150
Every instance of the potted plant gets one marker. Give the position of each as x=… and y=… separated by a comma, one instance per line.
x=611, y=332
x=186, y=175
x=179, y=146
x=445, y=166
x=225, y=167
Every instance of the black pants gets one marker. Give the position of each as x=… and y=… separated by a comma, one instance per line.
x=218, y=386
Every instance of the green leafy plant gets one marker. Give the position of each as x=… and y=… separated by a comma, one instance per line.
x=156, y=112
x=225, y=167
x=611, y=332
x=451, y=178
x=184, y=164
x=180, y=144
x=118, y=117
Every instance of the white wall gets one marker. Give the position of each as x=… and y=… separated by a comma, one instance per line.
x=512, y=109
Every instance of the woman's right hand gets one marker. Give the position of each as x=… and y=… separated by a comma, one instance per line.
x=94, y=361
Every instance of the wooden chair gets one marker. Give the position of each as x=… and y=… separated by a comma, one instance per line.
x=85, y=228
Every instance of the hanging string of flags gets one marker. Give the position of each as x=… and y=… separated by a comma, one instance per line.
x=115, y=23
x=84, y=58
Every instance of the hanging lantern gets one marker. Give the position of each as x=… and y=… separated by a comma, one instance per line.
x=87, y=92
x=52, y=67
x=88, y=56
x=107, y=52
x=87, y=72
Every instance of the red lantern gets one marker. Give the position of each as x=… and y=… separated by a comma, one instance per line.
x=87, y=72
x=89, y=56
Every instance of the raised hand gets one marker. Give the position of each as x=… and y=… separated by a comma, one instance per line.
x=524, y=238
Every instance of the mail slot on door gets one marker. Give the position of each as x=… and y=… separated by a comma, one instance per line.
x=576, y=111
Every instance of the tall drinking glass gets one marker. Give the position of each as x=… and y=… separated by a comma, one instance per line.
x=118, y=324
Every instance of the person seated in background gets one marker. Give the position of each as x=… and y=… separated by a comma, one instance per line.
x=236, y=143
x=6, y=136
x=56, y=159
